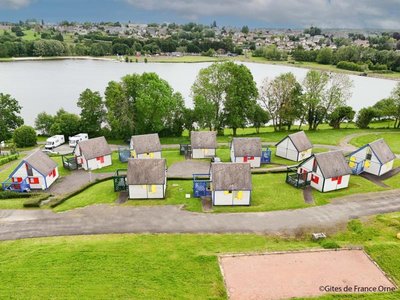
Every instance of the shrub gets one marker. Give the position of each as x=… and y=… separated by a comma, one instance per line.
x=35, y=201
x=329, y=244
x=8, y=158
x=14, y=195
x=348, y=65
x=365, y=116
x=25, y=136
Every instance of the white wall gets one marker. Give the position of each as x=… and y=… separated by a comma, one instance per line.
x=203, y=153
x=51, y=179
x=94, y=164
x=147, y=191
x=226, y=198
x=254, y=163
x=386, y=167
x=332, y=185
x=287, y=150
x=150, y=155
x=22, y=173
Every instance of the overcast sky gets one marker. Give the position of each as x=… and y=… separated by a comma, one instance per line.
x=255, y=13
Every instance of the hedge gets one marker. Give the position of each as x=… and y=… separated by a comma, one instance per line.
x=35, y=201
x=8, y=158
x=348, y=65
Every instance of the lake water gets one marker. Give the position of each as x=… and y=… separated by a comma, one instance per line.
x=49, y=85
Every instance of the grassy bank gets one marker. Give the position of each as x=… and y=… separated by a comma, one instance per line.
x=393, y=140
x=165, y=266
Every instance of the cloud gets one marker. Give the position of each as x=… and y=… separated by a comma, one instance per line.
x=14, y=4
x=324, y=13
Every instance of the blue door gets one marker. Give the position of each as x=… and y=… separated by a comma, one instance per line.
x=266, y=156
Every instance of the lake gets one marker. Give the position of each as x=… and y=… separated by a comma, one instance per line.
x=49, y=85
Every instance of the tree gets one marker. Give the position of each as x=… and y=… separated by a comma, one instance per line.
x=65, y=123
x=323, y=94
x=396, y=98
x=9, y=116
x=281, y=98
x=43, y=123
x=245, y=29
x=25, y=136
x=365, y=116
x=341, y=114
x=325, y=56
x=224, y=94
x=260, y=118
x=92, y=112
x=240, y=96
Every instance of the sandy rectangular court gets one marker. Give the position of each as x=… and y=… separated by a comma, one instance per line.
x=301, y=274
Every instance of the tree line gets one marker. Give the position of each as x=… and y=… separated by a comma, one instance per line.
x=224, y=95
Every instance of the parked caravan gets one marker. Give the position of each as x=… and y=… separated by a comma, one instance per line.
x=54, y=141
x=73, y=140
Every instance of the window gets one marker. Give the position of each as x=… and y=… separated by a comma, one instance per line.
x=315, y=166
x=315, y=179
x=368, y=156
x=29, y=170
x=100, y=159
x=34, y=180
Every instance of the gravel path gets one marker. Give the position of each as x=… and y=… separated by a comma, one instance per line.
x=103, y=219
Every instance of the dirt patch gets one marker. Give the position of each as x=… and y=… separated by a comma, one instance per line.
x=122, y=198
x=307, y=194
x=301, y=274
x=206, y=204
x=186, y=169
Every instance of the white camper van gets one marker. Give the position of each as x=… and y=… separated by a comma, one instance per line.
x=73, y=140
x=54, y=141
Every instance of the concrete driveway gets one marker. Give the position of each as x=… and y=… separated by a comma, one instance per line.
x=103, y=219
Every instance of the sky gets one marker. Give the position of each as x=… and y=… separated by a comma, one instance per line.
x=382, y=14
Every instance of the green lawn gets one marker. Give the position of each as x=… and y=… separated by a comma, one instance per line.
x=392, y=138
x=165, y=266
x=102, y=192
x=17, y=203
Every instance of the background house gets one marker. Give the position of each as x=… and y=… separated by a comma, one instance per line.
x=145, y=146
x=203, y=143
x=327, y=171
x=147, y=178
x=231, y=183
x=93, y=154
x=247, y=150
x=295, y=146
x=375, y=158
x=36, y=172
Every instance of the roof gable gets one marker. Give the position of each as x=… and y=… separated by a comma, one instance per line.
x=146, y=171
x=146, y=143
x=203, y=139
x=300, y=141
x=41, y=162
x=247, y=147
x=95, y=147
x=231, y=176
x=382, y=151
x=332, y=164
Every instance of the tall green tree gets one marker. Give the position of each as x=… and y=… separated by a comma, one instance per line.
x=341, y=114
x=281, y=98
x=224, y=94
x=65, y=123
x=396, y=99
x=9, y=116
x=260, y=118
x=92, y=112
x=323, y=93
x=43, y=123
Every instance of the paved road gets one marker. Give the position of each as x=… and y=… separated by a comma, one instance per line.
x=102, y=219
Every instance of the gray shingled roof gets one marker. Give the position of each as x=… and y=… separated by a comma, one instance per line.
x=382, y=151
x=146, y=171
x=146, y=143
x=300, y=141
x=247, y=147
x=332, y=164
x=231, y=176
x=41, y=162
x=95, y=147
x=203, y=139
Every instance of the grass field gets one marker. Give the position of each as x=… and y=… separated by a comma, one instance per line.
x=393, y=140
x=165, y=266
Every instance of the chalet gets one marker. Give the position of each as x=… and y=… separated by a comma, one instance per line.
x=325, y=172
x=36, y=172
x=93, y=154
x=295, y=146
x=147, y=178
x=203, y=143
x=145, y=146
x=247, y=150
x=375, y=158
x=231, y=183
